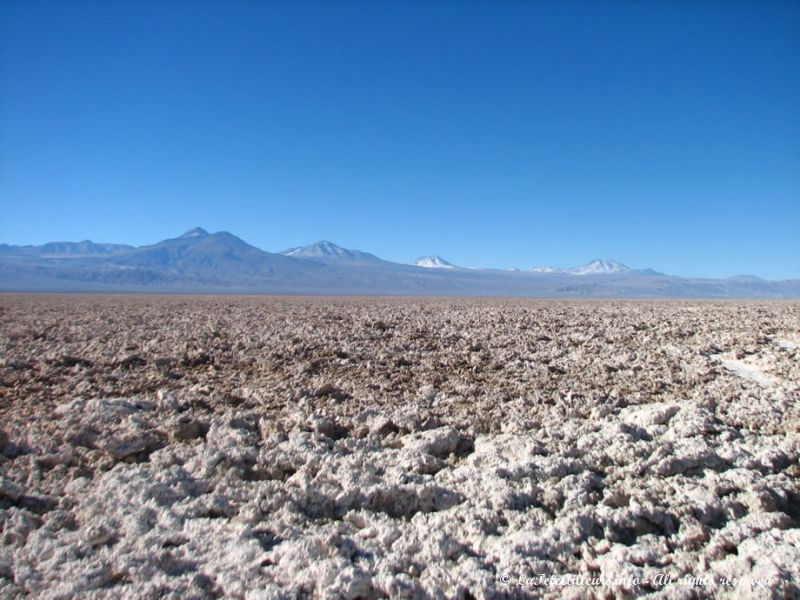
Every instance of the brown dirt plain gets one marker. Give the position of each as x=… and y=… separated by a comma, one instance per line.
x=281, y=447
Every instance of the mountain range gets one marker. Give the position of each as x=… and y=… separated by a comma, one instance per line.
x=203, y=262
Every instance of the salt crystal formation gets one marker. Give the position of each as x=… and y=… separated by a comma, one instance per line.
x=346, y=448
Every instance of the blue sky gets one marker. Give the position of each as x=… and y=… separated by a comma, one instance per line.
x=662, y=134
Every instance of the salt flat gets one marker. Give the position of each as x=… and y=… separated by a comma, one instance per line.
x=396, y=447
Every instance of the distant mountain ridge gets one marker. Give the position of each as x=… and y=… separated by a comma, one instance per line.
x=221, y=257
x=201, y=262
x=597, y=266
x=66, y=249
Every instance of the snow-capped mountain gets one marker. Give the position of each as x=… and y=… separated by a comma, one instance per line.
x=433, y=262
x=195, y=232
x=325, y=250
x=593, y=267
x=601, y=267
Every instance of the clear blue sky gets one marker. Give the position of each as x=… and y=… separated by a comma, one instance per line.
x=662, y=134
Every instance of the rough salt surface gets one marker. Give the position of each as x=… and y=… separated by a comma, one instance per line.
x=383, y=448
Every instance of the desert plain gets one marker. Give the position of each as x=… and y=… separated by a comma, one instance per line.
x=313, y=447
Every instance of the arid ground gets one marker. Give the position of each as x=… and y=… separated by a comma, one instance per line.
x=193, y=447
